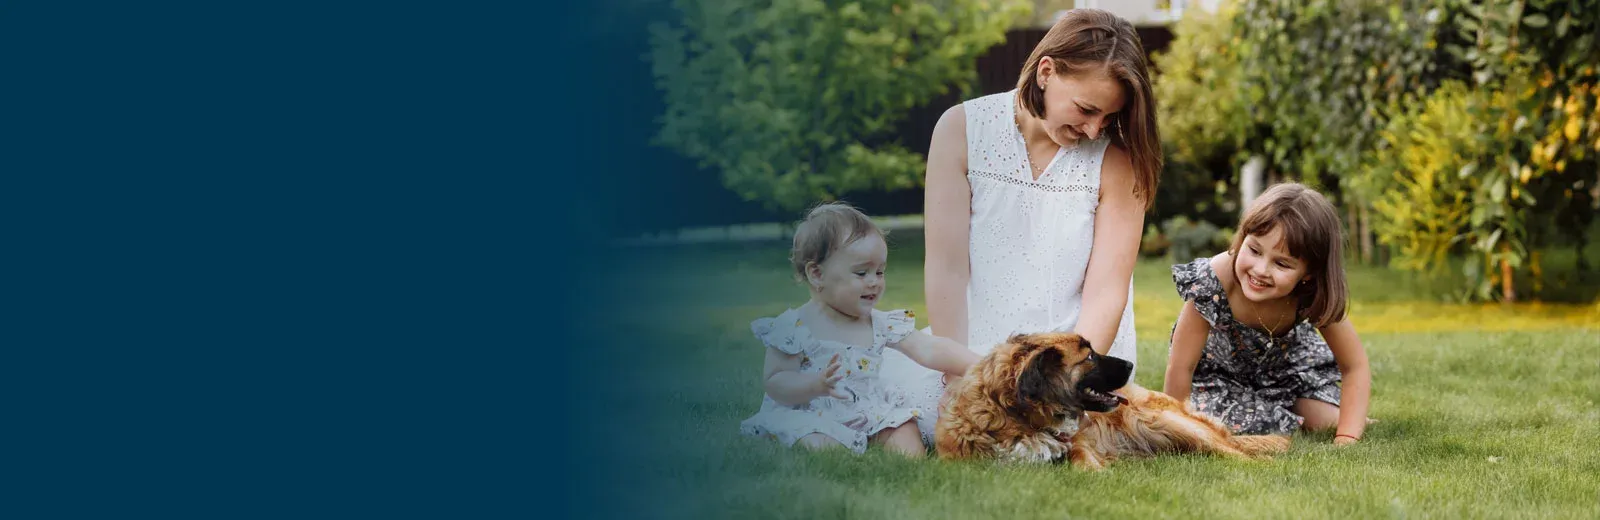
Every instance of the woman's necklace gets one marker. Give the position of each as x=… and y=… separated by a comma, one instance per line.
x=1018, y=111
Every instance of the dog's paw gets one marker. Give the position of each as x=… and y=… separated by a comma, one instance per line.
x=1085, y=459
x=1040, y=448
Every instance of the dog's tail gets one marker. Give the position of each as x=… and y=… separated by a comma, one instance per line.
x=1260, y=445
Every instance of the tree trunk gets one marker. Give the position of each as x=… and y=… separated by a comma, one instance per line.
x=1251, y=176
x=1506, y=287
x=1366, y=235
x=1352, y=225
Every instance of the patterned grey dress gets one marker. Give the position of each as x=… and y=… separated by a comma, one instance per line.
x=1242, y=380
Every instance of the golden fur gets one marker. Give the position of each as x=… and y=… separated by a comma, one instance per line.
x=1023, y=400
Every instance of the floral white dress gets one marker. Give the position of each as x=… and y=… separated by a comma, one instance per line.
x=1029, y=245
x=878, y=403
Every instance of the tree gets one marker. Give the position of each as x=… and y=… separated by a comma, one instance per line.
x=1201, y=115
x=1319, y=74
x=1498, y=164
x=794, y=101
x=1528, y=164
x=1301, y=86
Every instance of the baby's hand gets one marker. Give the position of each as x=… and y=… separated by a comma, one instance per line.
x=828, y=380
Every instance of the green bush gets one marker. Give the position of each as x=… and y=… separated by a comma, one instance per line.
x=795, y=101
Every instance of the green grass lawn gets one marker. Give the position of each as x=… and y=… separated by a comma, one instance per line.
x=1486, y=411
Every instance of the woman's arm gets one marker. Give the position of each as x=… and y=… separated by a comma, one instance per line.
x=1118, y=223
x=948, y=220
x=1356, y=391
x=1188, y=340
x=938, y=353
x=786, y=385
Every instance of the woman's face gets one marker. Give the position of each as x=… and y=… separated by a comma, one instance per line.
x=1078, y=105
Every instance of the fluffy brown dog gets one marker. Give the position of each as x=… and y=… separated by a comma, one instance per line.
x=1047, y=397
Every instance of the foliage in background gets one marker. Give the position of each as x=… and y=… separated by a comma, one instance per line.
x=1422, y=200
x=1201, y=118
x=1318, y=74
x=795, y=101
x=1508, y=169
x=1302, y=84
x=1497, y=166
x=1191, y=240
x=1200, y=112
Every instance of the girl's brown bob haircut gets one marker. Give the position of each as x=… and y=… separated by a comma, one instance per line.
x=1311, y=229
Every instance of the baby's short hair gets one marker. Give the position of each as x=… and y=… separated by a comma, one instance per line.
x=827, y=228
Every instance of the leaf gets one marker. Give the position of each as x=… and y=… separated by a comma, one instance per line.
x=1467, y=171
x=1536, y=20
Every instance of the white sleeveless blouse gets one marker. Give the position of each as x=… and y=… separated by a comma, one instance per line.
x=1029, y=246
x=1030, y=239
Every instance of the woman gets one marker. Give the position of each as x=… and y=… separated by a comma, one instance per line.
x=1035, y=201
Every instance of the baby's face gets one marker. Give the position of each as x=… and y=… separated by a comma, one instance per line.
x=852, y=279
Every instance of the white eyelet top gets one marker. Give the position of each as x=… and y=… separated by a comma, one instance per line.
x=1029, y=246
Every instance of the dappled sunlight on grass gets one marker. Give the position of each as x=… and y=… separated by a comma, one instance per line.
x=1436, y=317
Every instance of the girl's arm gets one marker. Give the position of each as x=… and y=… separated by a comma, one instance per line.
x=786, y=385
x=1356, y=391
x=948, y=219
x=938, y=353
x=1188, y=341
x=1118, y=224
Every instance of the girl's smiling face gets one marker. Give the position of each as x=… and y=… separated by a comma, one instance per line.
x=1265, y=269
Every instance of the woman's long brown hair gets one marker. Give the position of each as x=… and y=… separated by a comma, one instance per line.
x=1092, y=40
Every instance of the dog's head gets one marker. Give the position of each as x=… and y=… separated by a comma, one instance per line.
x=1058, y=374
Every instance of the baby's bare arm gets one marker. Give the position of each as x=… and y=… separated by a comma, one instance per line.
x=938, y=353
x=788, y=386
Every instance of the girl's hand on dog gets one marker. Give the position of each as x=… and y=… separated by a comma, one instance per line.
x=828, y=381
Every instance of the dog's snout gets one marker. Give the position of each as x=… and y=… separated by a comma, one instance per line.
x=1111, y=368
x=1116, y=363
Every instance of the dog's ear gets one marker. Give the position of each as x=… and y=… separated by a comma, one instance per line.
x=1039, y=372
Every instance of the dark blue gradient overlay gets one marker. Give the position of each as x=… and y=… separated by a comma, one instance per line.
x=321, y=259
x=634, y=428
